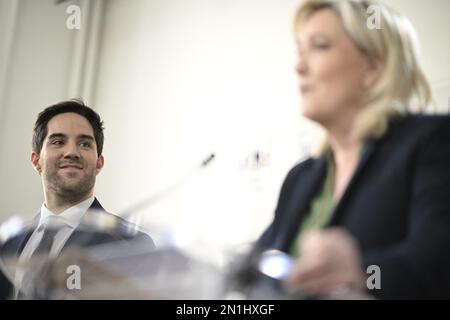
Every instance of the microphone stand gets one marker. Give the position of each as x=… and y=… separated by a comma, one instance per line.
x=130, y=211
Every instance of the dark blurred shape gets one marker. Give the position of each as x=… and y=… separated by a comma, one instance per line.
x=259, y=275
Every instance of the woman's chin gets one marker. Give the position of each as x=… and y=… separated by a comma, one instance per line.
x=310, y=113
x=316, y=117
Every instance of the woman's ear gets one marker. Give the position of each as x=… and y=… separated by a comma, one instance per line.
x=375, y=68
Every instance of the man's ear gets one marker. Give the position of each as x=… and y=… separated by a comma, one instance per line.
x=35, y=161
x=100, y=163
x=375, y=68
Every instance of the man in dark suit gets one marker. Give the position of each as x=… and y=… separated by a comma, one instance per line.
x=67, y=154
x=394, y=214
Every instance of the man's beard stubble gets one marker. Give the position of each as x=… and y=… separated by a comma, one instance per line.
x=64, y=188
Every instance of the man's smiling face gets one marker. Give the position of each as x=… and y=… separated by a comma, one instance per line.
x=68, y=161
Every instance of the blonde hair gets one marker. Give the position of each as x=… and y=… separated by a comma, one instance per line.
x=402, y=87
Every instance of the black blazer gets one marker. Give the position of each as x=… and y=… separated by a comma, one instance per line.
x=397, y=207
x=82, y=238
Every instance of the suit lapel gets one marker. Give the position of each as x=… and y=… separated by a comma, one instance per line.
x=338, y=209
x=86, y=237
x=304, y=190
x=20, y=242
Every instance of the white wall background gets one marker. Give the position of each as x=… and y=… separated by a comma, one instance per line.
x=34, y=62
x=181, y=79
x=174, y=81
x=432, y=22
x=41, y=62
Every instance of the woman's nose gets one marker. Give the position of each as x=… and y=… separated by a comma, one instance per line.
x=301, y=66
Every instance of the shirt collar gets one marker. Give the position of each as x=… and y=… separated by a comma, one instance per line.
x=72, y=216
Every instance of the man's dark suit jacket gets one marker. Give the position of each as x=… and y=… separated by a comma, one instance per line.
x=397, y=207
x=82, y=238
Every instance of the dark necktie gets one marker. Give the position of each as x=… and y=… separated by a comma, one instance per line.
x=40, y=256
x=47, y=240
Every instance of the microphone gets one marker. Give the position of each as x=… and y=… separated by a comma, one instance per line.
x=152, y=199
x=208, y=160
x=259, y=274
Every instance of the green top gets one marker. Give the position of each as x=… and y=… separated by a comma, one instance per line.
x=322, y=204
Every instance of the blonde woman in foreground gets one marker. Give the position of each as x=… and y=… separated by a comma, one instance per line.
x=369, y=214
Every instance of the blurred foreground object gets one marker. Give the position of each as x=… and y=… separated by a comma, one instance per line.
x=97, y=273
x=130, y=269
x=25, y=269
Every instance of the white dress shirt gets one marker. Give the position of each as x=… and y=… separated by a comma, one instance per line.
x=70, y=217
x=67, y=221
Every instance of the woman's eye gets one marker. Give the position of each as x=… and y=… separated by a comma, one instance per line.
x=322, y=45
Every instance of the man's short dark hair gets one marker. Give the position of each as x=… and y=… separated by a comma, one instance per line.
x=76, y=106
